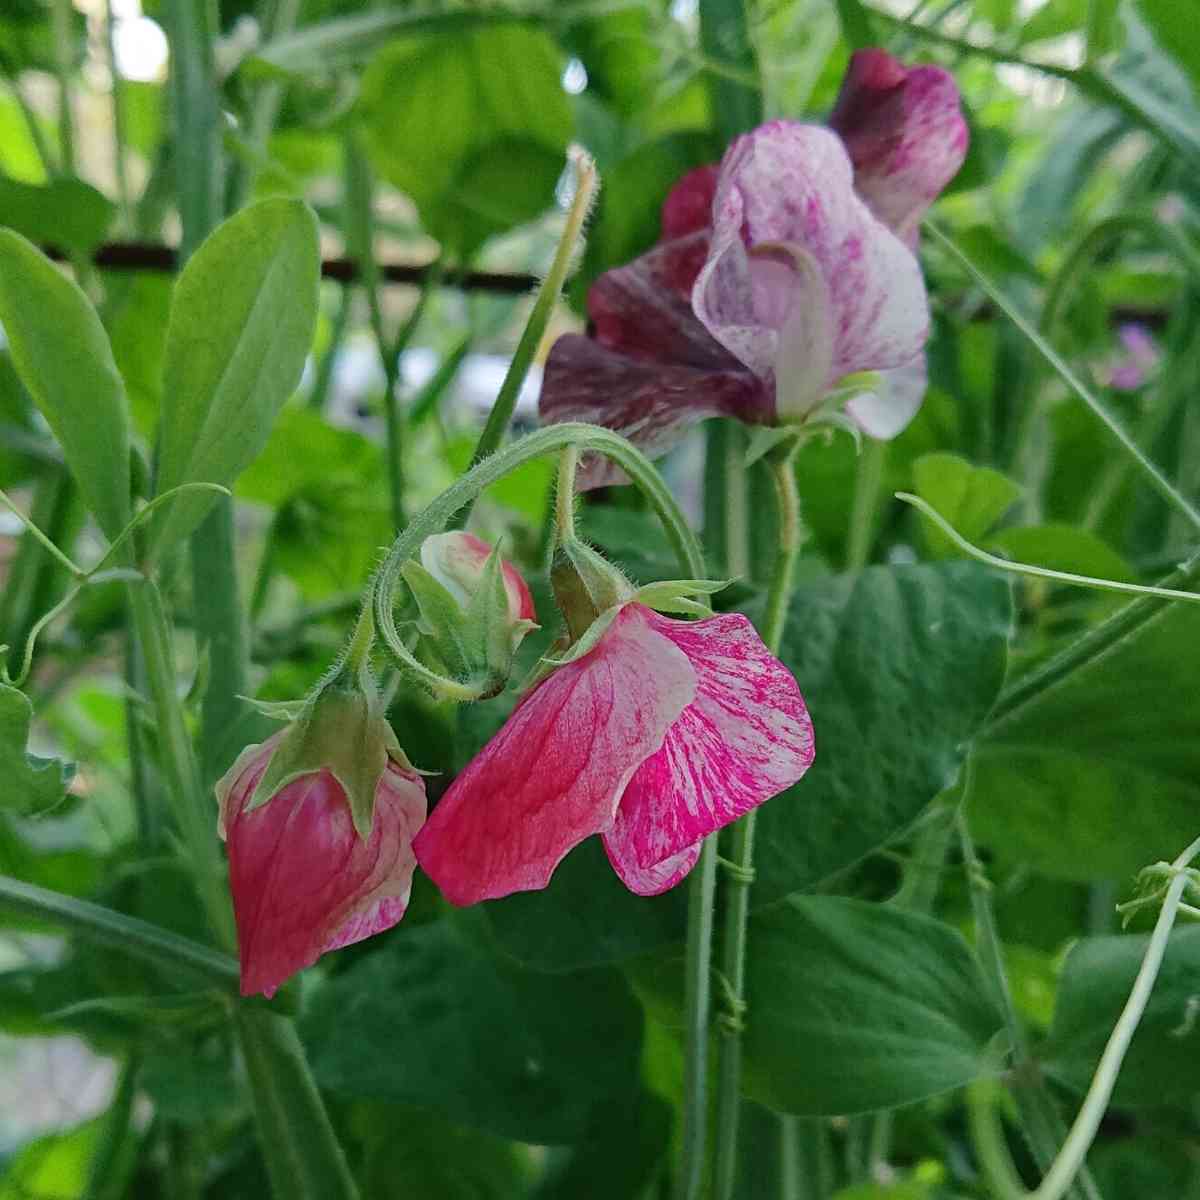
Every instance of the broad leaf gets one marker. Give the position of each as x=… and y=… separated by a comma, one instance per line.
x=855, y=1007
x=436, y=107
x=971, y=498
x=434, y=1020
x=31, y=784
x=242, y=322
x=1099, y=775
x=64, y=360
x=66, y=213
x=1163, y=1063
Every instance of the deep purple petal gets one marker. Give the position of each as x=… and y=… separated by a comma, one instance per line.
x=652, y=404
x=905, y=133
x=688, y=206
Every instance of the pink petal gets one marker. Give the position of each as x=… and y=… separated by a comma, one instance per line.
x=786, y=192
x=745, y=737
x=555, y=772
x=304, y=882
x=688, y=207
x=652, y=404
x=905, y=133
x=887, y=411
x=649, y=881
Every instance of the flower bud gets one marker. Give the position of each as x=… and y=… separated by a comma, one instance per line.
x=303, y=881
x=474, y=608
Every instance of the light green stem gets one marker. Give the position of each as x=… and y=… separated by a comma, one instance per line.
x=120, y=167
x=63, y=12
x=866, y=504
x=139, y=938
x=547, y=297
x=1153, y=475
x=741, y=851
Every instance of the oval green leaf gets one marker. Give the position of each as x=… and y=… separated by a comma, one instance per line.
x=63, y=357
x=242, y=321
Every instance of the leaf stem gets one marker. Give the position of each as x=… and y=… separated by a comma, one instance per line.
x=741, y=849
x=1153, y=475
x=138, y=938
x=531, y=337
x=866, y=504
x=63, y=11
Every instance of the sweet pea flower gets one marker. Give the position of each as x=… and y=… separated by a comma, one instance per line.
x=1137, y=361
x=304, y=879
x=457, y=560
x=659, y=734
x=783, y=276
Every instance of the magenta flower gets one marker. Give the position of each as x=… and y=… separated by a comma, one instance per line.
x=1137, y=362
x=782, y=276
x=663, y=732
x=304, y=881
x=904, y=132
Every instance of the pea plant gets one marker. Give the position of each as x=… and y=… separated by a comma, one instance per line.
x=599, y=600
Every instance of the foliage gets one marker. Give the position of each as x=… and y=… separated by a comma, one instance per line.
x=933, y=962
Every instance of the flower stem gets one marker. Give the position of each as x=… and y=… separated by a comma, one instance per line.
x=696, y=1007
x=564, y=493
x=866, y=504
x=740, y=867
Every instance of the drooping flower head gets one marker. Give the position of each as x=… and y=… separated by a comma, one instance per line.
x=654, y=733
x=304, y=879
x=783, y=276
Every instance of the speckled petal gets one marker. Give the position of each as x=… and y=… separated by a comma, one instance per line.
x=788, y=187
x=745, y=737
x=649, y=881
x=905, y=133
x=556, y=771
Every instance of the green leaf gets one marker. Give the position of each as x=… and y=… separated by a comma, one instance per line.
x=31, y=784
x=416, y=1154
x=1099, y=775
x=1162, y=1066
x=242, y=321
x=855, y=1007
x=907, y=660
x=971, y=498
x=66, y=213
x=519, y=1054
x=64, y=360
x=856, y=24
x=446, y=115
x=1175, y=29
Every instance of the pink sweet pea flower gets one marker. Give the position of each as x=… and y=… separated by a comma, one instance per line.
x=779, y=273
x=1138, y=360
x=663, y=732
x=457, y=560
x=304, y=881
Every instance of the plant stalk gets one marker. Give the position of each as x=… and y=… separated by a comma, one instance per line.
x=740, y=867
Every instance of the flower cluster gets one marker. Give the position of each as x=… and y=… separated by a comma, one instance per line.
x=785, y=289
x=785, y=277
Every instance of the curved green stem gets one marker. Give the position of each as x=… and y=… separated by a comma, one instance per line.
x=547, y=297
x=1017, y=568
x=138, y=938
x=550, y=440
x=1154, y=476
x=741, y=855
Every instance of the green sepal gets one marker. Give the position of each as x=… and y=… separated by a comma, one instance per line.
x=276, y=710
x=476, y=644
x=765, y=439
x=587, y=642
x=343, y=732
x=586, y=585
x=678, y=595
